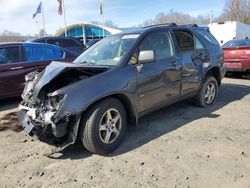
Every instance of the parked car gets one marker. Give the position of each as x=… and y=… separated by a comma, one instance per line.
x=92, y=42
x=19, y=59
x=237, y=55
x=64, y=42
x=120, y=79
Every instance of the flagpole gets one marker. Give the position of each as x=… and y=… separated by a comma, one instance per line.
x=102, y=4
x=38, y=28
x=43, y=20
x=64, y=16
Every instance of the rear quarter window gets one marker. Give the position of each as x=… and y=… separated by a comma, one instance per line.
x=208, y=36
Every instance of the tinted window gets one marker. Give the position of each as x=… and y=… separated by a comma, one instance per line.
x=208, y=36
x=40, y=41
x=158, y=42
x=56, y=42
x=69, y=43
x=42, y=53
x=9, y=55
x=237, y=43
x=185, y=41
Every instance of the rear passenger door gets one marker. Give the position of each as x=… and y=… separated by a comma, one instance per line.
x=158, y=82
x=188, y=47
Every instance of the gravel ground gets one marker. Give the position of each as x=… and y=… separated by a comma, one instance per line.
x=179, y=146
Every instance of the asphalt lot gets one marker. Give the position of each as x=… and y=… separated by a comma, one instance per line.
x=179, y=146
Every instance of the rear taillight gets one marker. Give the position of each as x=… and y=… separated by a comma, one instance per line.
x=247, y=52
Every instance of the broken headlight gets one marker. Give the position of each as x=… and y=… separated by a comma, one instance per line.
x=31, y=76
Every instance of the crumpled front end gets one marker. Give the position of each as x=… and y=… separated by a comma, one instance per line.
x=53, y=101
x=39, y=116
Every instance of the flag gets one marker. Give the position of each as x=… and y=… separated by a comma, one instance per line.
x=38, y=10
x=60, y=11
x=101, y=7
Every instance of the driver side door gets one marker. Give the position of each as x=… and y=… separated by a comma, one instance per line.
x=158, y=82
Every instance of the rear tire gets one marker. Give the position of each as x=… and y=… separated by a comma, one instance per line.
x=104, y=126
x=208, y=93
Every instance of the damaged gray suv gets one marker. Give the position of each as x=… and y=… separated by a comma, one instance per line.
x=117, y=81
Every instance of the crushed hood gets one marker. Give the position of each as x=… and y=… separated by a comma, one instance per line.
x=54, y=69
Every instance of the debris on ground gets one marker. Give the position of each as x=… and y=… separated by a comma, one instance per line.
x=10, y=122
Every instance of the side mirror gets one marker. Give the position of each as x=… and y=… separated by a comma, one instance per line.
x=146, y=57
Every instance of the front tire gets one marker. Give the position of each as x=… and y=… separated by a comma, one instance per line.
x=104, y=126
x=208, y=93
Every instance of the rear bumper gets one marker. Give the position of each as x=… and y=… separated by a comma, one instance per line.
x=237, y=65
x=237, y=70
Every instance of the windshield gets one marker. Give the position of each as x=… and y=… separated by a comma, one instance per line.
x=233, y=43
x=108, y=51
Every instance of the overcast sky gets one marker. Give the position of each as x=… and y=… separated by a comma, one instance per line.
x=16, y=15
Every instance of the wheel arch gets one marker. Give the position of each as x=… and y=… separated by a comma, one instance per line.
x=131, y=112
x=215, y=72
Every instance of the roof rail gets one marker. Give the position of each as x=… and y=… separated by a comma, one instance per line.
x=165, y=24
x=189, y=25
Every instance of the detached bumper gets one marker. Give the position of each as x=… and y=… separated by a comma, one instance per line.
x=61, y=135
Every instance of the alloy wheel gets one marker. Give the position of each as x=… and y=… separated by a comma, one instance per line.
x=110, y=126
x=210, y=93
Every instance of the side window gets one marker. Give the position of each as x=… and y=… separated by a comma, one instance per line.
x=160, y=43
x=198, y=44
x=54, y=42
x=185, y=41
x=42, y=53
x=40, y=41
x=9, y=55
x=208, y=36
x=2, y=55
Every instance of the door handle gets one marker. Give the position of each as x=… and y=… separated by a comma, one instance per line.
x=16, y=68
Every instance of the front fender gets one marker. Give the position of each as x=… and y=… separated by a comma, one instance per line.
x=79, y=96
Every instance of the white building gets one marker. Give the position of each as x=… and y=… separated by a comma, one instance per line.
x=225, y=31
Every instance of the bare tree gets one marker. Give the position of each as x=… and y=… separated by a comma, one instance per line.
x=236, y=10
x=176, y=17
x=107, y=23
x=42, y=33
x=9, y=33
